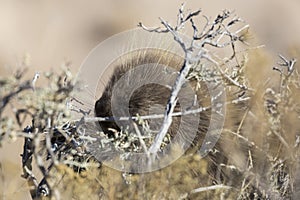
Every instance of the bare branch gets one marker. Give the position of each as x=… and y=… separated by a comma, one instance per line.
x=145, y=117
x=213, y=187
x=156, y=30
x=211, y=35
x=35, y=78
x=4, y=101
x=140, y=138
x=289, y=64
x=27, y=156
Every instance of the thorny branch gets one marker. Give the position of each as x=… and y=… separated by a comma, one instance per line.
x=195, y=51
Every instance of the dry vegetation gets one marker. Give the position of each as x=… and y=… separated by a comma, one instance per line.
x=259, y=144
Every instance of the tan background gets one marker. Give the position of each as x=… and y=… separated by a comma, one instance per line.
x=55, y=31
x=50, y=32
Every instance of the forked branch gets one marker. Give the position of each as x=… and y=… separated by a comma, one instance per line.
x=215, y=34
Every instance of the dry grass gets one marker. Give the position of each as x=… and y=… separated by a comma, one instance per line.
x=262, y=151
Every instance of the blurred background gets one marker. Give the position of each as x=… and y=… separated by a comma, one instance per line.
x=48, y=33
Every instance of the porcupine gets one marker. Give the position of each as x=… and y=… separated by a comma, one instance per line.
x=144, y=98
x=151, y=97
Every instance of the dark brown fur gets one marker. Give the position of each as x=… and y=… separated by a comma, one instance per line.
x=151, y=94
